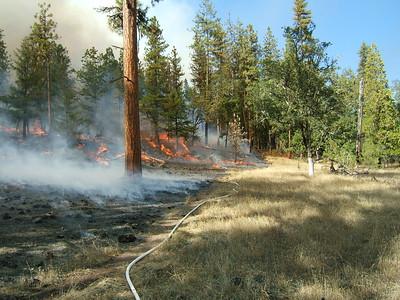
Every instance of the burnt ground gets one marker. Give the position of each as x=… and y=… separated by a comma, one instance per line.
x=47, y=233
x=58, y=238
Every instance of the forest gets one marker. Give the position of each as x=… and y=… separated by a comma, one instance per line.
x=261, y=170
x=294, y=100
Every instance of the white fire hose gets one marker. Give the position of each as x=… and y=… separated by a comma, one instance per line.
x=139, y=258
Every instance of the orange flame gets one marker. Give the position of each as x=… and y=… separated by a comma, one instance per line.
x=37, y=129
x=103, y=148
x=7, y=129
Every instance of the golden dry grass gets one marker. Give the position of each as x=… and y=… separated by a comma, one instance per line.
x=285, y=236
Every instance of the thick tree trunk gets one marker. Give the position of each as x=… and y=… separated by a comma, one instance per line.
x=360, y=122
x=133, y=162
x=48, y=97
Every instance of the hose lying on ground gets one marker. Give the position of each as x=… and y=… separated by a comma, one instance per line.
x=139, y=258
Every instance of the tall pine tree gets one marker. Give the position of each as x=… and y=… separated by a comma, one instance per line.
x=206, y=47
x=380, y=127
x=156, y=81
x=43, y=37
x=175, y=109
x=307, y=78
x=4, y=64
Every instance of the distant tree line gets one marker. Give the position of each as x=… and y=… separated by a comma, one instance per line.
x=292, y=100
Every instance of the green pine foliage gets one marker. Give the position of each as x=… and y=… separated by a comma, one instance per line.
x=22, y=104
x=156, y=79
x=307, y=79
x=175, y=108
x=4, y=64
x=381, y=130
x=208, y=64
x=100, y=93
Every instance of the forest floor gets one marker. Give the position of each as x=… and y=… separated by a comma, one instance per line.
x=53, y=241
x=281, y=235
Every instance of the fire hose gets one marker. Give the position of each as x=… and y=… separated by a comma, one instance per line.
x=139, y=258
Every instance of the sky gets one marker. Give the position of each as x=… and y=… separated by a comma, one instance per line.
x=346, y=24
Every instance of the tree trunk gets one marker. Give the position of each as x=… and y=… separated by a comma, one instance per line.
x=176, y=135
x=290, y=143
x=24, y=127
x=206, y=133
x=218, y=133
x=359, y=122
x=133, y=161
x=269, y=141
x=157, y=135
x=226, y=136
x=310, y=162
x=48, y=97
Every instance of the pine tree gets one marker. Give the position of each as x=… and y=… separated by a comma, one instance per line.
x=361, y=95
x=268, y=114
x=270, y=57
x=156, y=65
x=194, y=113
x=65, y=100
x=244, y=56
x=4, y=64
x=205, y=50
x=341, y=141
x=92, y=86
x=307, y=76
x=175, y=109
x=108, y=110
x=249, y=73
x=380, y=121
x=24, y=93
x=43, y=37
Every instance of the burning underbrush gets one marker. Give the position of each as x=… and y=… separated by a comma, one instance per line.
x=94, y=165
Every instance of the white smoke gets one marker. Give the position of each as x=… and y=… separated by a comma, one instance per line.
x=65, y=170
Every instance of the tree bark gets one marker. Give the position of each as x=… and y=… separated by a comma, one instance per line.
x=133, y=162
x=360, y=122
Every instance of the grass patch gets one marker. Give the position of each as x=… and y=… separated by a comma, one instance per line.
x=285, y=236
x=89, y=254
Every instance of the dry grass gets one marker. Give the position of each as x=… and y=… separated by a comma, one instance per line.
x=285, y=236
x=89, y=255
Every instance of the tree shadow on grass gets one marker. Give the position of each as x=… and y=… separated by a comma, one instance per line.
x=329, y=241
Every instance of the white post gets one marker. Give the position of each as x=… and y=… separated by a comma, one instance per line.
x=310, y=163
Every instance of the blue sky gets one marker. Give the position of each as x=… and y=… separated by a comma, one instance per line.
x=346, y=24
